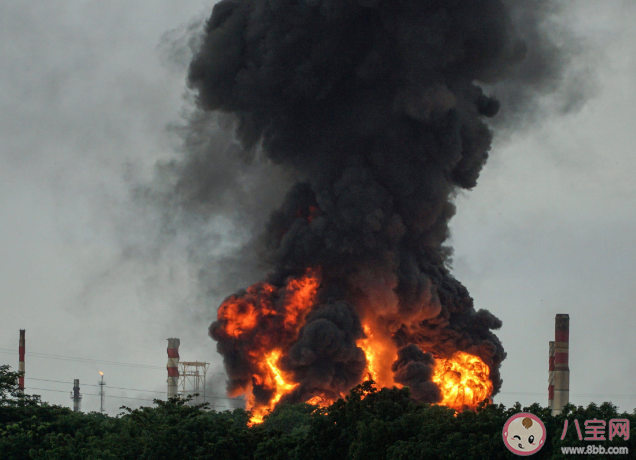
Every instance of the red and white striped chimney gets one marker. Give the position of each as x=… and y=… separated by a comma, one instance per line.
x=21, y=351
x=173, y=367
x=561, y=363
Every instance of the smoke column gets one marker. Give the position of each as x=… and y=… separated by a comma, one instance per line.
x=379, y=108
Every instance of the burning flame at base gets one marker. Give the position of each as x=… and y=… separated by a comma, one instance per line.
x=282, y=387
x=380, y=353
x=463, y=380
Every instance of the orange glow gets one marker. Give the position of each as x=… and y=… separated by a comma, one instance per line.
x=320, y=401
x=287, y=306
x=241, y=314
x=266, y=319
x=463, y=380
x=300, y=295
x=380, y=352
x=371, y=351
x=101, y=373
x=281, y=387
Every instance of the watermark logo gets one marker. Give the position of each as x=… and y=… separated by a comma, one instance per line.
x=524, y=434
x=595, y=429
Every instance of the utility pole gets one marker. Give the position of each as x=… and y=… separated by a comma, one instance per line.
x=101, y=384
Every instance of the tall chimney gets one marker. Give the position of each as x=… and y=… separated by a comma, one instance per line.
x=173, y=367
x=76, y=395
x=551, y=376
x=561, y=368
x=21, y=351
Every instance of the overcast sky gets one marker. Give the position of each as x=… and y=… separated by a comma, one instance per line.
x=87, y=92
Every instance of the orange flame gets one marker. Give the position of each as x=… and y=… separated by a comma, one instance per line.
x=281, y=388
x=380, y=352
x=463, y=380
x=300, y=295
x=264, y=302
x=241, y=314
x=319, y=400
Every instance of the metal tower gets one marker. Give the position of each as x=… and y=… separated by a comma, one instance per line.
x=76, y=396
x=101, y=384
x=192, y=379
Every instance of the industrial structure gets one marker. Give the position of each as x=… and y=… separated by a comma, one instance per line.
x=21, y=350
x=559, y=370
x=192, y=379
x=76, y=396
x=173, y=367
x=101, y=384
x=186, y=377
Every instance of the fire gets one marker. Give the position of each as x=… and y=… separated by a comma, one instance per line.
x=319, y=400
x=370, y=352
x=241, y=314
x=264, y=323
x=281, y=388
x=463, y=380
x=380, y=352
x=262, y=307
x=299, y=298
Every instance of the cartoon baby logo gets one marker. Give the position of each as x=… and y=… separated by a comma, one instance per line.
x=524, y=434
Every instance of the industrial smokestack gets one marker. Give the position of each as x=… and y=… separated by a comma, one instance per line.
x=101, y=384
x=561, y=372
x=76, y=396
x=21, y=363
x=173, y=367
x=551, y=376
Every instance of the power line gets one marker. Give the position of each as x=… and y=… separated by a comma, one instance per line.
x=97, y=394
x=86, y=360
x=87, y=394
x=120, y=388
x=233, y=399
x=89, y=360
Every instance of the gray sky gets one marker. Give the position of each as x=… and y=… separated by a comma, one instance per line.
x=86, y=94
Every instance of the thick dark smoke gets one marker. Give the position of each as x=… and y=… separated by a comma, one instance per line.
x=414, y=369
x=325, y=358
x=378, y=106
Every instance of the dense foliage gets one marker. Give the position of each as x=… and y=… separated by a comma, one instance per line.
x=369, y=424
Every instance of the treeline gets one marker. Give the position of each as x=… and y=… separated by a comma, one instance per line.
x=369, y=425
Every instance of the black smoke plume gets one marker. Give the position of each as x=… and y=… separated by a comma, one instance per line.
x=379, y=107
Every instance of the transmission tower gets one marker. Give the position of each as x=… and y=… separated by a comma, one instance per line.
x=192, y=379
